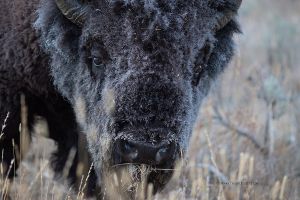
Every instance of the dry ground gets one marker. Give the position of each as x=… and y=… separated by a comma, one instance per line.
x=246, y=143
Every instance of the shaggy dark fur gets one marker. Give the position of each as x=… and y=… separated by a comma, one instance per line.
x=132, y=70
x=24, y=69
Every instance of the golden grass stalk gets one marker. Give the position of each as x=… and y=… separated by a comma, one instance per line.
x=242, y=165
x=69, y=162
x=251, y=167
x=275, y=190
x=79, y=189
x=86, y=181
x=4, y=125
x=212, y=158
x=37, y=176
x=24, y=136
x=283, y=187
x=6, y=185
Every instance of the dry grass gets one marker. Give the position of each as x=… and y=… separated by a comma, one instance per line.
x=246, y=144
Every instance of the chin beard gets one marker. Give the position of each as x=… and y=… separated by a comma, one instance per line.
x=128, y=181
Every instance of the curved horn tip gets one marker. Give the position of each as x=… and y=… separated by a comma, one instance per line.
x=73, y=10
x=227, y=16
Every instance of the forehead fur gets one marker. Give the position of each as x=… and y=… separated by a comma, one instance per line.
x=166, y=13
x=182, y=21
x=162, y=22
x=169, y=5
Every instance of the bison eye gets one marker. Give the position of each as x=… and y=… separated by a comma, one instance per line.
x=98, y=67
x=198, y=72
x=97, y=62
x=201, y=63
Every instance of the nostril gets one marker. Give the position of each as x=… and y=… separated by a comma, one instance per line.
x=128, y=150
x=155, y=154
x=161, y=155
x=165, y=153
x=127, y=147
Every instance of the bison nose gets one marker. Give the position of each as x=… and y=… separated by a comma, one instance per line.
x=157, y=154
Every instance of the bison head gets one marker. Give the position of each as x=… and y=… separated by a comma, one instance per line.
x=137, y=71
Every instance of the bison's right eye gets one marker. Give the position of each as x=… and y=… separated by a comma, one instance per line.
x=98, y=67
x=98, y=59
x=97, y=62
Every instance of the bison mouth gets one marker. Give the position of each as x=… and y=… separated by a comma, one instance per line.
x=131, y=179
x=146, y=156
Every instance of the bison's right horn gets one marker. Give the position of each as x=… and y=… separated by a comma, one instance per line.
x=227, y=15
x=73, y=10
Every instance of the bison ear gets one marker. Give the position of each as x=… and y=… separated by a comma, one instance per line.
x=74, y=10
x=227, y=10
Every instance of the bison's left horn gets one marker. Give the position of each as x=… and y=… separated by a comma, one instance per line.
x=227, y=15
x=73, y=10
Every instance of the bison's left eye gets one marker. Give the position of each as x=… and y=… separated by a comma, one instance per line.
x=201, y=62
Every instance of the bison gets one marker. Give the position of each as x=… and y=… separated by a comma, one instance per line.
x=130, y=75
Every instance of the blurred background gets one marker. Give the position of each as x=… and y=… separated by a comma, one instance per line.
x=246, y=143
x=249, y=129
